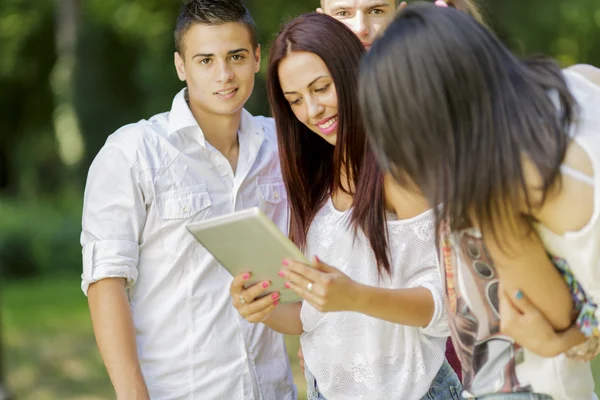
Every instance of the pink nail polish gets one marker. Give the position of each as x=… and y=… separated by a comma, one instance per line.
x=285, y=262
x=265, y=284
x=246, y=276
x=281, y=273
x=276, y=302
x=317, y=259
x=287, y=285
x=274, y=296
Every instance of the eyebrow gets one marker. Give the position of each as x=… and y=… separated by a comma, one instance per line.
x=230, y=52
x=310, y=84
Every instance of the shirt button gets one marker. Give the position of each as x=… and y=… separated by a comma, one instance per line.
x=185, y=209
x=276, y=195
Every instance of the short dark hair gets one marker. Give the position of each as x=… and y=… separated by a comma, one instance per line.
x=212, y=12
x=447, y=106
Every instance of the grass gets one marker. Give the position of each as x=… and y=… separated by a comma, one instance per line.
x=49, y=347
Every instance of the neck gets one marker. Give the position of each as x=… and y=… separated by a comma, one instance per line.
x=219, y=130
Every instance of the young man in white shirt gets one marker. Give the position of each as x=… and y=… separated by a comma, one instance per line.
x=159, y=302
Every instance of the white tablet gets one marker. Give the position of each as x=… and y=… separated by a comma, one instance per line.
x=249, y=241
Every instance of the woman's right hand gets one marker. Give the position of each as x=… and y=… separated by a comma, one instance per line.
x=250, y=303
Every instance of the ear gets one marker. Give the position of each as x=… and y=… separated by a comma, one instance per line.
x=402, y=6
x=320, y=10
x=179, y=66
x=257, y=59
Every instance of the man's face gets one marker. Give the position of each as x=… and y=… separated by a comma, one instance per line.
x=366, y=18
x=218, y=64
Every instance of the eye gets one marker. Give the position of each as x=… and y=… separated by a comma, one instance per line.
x=377, y=11
x=237, y=57
x=295, y=102
x=342, y=14
x=322, y=89
x=205, y=61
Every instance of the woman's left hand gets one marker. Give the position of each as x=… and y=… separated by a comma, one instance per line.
x=523, y=322
x=323, y=286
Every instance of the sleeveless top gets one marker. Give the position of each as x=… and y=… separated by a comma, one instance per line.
x=493, y=362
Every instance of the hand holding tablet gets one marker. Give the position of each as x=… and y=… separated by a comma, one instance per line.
x=248, y=241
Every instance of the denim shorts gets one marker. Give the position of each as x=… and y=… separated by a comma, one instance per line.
x=445, y=385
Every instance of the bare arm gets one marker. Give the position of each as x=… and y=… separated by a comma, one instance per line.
x=115, y=335
x=523, y=264
x=520, y=318
x=332, y=290
x=412, y=307
x=285, y=319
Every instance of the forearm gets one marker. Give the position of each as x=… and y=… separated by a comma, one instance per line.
x=115, y=335
x=412, y=307
x=285, y=319
x=566, y=340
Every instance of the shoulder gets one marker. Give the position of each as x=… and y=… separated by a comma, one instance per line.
x=137, y=138
x=589, y=72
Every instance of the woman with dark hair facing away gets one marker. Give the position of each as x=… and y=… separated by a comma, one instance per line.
x=387, y=338
x=501, y=146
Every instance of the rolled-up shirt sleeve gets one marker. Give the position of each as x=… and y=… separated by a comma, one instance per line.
x=113, y=217
x=429, y=278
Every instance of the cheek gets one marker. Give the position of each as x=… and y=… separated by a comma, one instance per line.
x=299, y=113
x=245, y=72
x=332, y=100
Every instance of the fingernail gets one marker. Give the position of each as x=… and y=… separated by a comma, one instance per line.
x=276, y=302
x=519, y=295
x=265, y=284
x=317, y=259
x=246, y=276
x=287, y=285
x=285, y=262
x=275, y=296
x=281, y=273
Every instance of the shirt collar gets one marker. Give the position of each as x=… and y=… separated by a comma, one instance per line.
x=181, y=117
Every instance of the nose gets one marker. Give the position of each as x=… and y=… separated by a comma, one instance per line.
x=359, y=25
x=225, y=73
x=314, y=108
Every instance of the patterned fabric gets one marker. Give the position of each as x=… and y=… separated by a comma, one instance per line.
x=584, y=309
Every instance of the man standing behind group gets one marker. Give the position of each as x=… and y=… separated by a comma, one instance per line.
x=368, y=18
x=159, y=302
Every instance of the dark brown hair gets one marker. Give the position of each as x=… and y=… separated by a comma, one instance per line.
x=447, y=106
x=212, y=12
x=311, y=167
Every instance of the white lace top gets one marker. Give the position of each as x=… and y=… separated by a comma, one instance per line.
x=354, y=356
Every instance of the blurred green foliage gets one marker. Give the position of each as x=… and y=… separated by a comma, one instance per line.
x=120, y=70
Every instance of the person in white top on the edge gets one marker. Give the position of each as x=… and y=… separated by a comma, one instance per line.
x=159, y=302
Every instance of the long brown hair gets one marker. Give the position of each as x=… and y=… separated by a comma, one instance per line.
x=311, y=167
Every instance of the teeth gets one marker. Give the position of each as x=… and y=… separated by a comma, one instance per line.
x=227, y=92
x=328, y=123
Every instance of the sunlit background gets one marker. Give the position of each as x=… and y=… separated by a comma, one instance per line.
x=73, y=71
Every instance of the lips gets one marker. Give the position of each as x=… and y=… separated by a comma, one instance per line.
x=328, y=125
x=227, y=93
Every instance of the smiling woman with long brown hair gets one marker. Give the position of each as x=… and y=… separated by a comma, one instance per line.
x=373, y=324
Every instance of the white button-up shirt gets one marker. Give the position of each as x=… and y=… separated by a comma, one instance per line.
x=146, y=184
